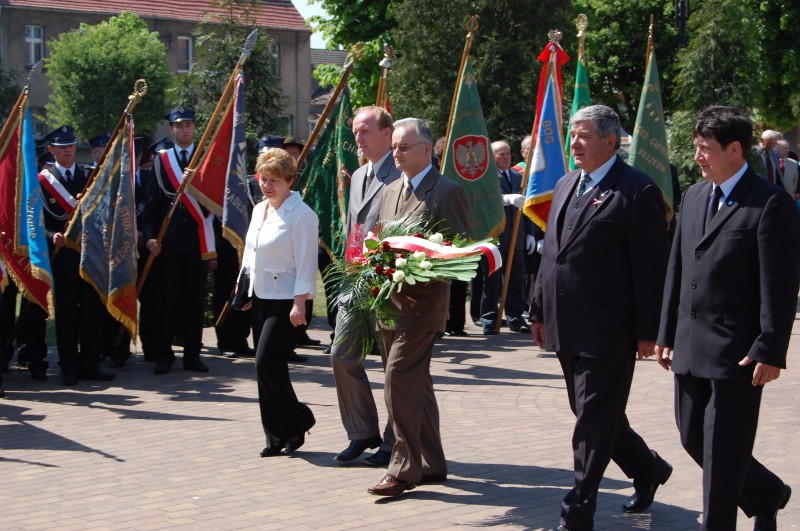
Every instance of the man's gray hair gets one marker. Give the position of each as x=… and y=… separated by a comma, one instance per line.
x=604, y=119
x=526, y=142
x=417, y=124
x=497, y=143
x=770, y=134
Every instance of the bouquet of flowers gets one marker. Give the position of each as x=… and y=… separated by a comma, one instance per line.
x=403, y=253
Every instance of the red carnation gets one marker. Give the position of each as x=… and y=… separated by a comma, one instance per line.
x=375, y=291
x=418, y=235
x=389, y=272
x=379, y=269
x=385, y=246
x=447, y=242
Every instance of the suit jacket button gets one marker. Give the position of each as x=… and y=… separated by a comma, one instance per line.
x=694, y=285
x=694, y=315
x=697, y=256
x=560, y=292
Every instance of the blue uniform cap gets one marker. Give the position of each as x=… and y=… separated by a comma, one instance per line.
x=179, y=114
x=162, y=144
x=270, y=141
x=100, y=140
x=63, y=136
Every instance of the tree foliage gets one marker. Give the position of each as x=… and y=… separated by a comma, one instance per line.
x=9, y=91
x=616, y=48
x=368, y=22
x=92, y=71
x=430, y=39
x=218, y=47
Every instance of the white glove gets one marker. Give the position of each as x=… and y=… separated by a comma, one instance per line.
x=517, y=200
x=540, y=247
x=530, y=244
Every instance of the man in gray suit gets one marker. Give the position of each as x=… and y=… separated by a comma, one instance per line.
x=770, y=159
x=417, y=456
x=788, y=167
x=372, y=127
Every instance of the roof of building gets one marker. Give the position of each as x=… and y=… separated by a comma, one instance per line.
x=276, y=14
x=328, y=57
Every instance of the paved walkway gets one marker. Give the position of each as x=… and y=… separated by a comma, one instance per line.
x=181, y=451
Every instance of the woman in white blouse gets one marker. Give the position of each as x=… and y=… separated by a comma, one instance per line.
x=281, y=256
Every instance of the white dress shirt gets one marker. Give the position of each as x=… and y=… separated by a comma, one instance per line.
x=281, y=251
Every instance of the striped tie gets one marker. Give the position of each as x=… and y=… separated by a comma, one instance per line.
x=408, y=190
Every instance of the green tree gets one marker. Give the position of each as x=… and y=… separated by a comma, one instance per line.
x=92, y=71
x=616, y=49
x=430, y=38
x=369, y=22
x=219, y=42
x=9, y=91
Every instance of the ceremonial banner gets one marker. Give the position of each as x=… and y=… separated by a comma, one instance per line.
x=220, y=183
x=553, y=65
x=324, y=182
x=34, y=280
x=470, y=163
x=548, y=164
x=582, y=98
x=649, y=145
x=103, y=230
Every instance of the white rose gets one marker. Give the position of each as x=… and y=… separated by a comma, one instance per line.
x=418, y=255
x=425, y=265
x=436, y=238
x=398, y=276
x=400, y=262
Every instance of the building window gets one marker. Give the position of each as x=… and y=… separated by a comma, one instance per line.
x=39, y=126
x=34, y=42
x=275, y=51
x=185, y=50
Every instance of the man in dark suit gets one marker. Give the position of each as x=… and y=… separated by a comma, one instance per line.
x=78, y=307
x=372, y=127
x=770, y=158
x=513, y=199
x=729, y=305
x=417, y=455
x=596, y=304
x=186, y=253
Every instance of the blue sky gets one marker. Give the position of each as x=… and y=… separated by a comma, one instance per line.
x=306, y=9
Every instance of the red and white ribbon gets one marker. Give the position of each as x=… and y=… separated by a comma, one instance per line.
x=443, y=252
x=57, y=190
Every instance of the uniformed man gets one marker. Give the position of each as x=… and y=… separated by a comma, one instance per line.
x=185, y=254
x=78, y=307
x=98, y=144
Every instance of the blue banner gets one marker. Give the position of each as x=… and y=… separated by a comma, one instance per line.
x=236, y=208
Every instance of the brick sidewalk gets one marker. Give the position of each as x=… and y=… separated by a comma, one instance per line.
x=181, y=450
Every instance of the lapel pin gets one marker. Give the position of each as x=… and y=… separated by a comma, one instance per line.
x=729, y=202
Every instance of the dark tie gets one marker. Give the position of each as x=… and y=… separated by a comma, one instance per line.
x=184, y=159
x=408, y=190
x=68, y=176
x=368, y=179
x=585, y=180
x=508, y=180
x=714, y=206
x=770, y=168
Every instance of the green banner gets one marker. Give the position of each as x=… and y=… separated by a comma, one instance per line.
x=470, y=163
x=649, y=144
x=581, y=99
x=324, y=182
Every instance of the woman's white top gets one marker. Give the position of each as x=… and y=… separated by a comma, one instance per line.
x=281, y=251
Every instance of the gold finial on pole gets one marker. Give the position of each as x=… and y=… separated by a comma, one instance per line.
x=386, y=65
x=471, y=27
x=139, y=90
x=581, y=23
x=555, y=35
x=649, y=44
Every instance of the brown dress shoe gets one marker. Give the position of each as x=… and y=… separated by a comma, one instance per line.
x=390, y=486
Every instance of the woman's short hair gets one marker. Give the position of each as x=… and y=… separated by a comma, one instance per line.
x=278, y=163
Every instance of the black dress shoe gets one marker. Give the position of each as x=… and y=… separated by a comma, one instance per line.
x=357, y=448
x=641, y=500
x=326, y=350
x=231, y=355
x=69, y=379
x=38, y=372
x=118, y=360
x=380, y=458
x=273, y=450
x=294, y=443
x=162, y=367
x=245, y=352
x=306, y=341
x=195, y=366
x=769, y=521
x=297, y=358
x=97, y=374
x=456, y=333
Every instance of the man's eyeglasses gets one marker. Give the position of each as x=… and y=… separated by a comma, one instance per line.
x=405, y=147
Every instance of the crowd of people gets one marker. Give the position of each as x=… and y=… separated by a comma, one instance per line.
x=605, y=283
